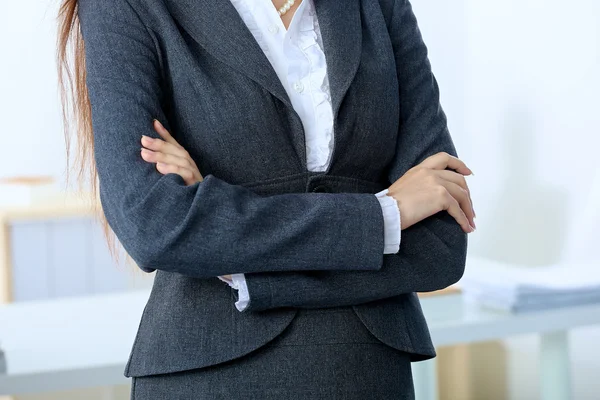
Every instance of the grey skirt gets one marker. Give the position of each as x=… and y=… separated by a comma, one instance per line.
x=322, y=354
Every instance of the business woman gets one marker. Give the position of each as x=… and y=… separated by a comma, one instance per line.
x=287, y=171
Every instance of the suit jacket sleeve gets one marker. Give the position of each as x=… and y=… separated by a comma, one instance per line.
x=212, y=227
x=392, y=223
x=433, y=252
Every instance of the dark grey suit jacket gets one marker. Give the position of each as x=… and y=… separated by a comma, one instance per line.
x=303, y=239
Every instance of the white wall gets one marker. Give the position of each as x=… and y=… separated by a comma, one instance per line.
x=519, y=82
x=32, y=141
x=533, y=121
x=525, y=115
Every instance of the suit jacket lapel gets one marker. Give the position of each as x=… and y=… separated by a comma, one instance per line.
x=341, y=31
x=217, y=26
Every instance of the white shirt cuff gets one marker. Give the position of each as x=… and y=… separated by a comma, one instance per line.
x=238, y=282
x=391, y=222
x=227, y=280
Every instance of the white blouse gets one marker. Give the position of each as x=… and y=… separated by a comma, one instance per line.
x=297, y=57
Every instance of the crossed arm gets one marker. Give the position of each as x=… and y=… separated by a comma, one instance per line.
x=212, y=227
x=433, y=251
x=167, y=224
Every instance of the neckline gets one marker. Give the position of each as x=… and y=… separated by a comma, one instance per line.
x=295, y=18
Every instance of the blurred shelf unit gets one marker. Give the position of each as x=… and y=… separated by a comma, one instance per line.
x=56, y=248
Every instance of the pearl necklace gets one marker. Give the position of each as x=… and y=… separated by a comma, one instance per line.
x=283, y=9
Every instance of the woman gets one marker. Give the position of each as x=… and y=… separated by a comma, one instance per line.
x=296, y=151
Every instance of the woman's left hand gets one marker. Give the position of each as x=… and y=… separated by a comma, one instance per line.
x=169, y=156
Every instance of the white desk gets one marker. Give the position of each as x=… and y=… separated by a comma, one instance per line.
x=451, y=322
x=83, y=342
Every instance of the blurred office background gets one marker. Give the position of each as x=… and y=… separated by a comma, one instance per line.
x=520, y=85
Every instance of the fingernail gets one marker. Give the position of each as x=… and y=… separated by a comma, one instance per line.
x=148, y=138
x=160, y=164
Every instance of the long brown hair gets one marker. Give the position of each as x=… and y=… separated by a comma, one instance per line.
x=77, y=112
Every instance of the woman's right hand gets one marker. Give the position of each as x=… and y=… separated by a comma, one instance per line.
x=429, y=188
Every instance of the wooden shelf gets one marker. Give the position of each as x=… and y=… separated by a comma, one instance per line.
x=62, y=205
x=449, y=290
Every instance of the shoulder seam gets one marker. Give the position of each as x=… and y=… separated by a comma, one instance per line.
x=151, y=35
x=139, y=17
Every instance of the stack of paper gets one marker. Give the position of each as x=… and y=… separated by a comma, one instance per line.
x=520, y=288
x=2, y=362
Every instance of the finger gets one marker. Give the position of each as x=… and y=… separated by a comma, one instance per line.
x=157, y=156
x=462, y=198
x=159, y=150
x=186, y=174
x=459, y=180
x=453, y=207
x=169, y=159
x=444, y=160
x=163, y=146
x=164, y=133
